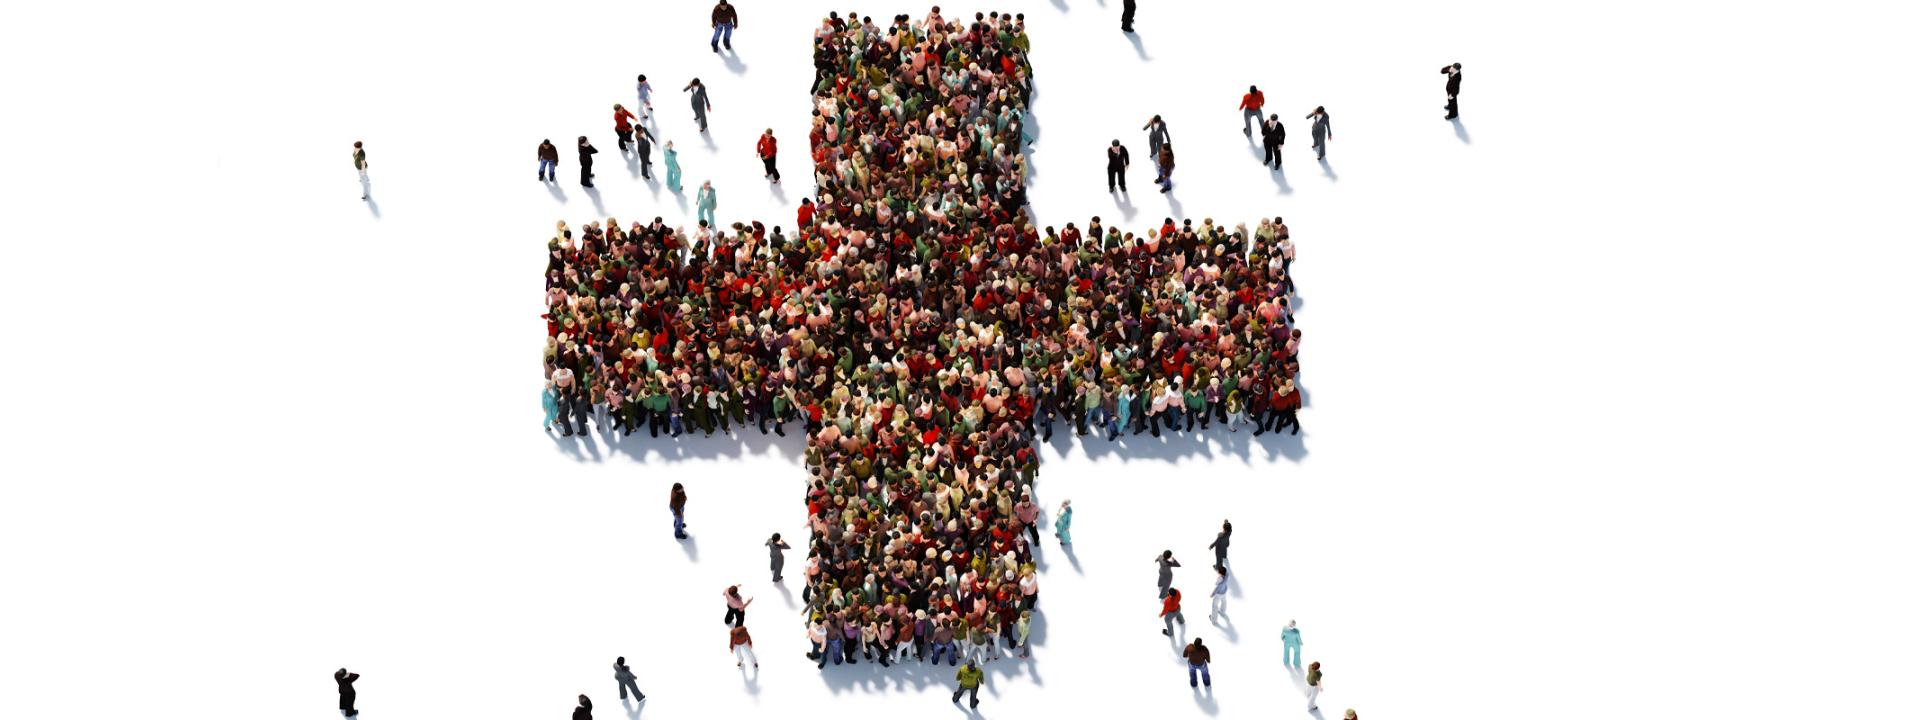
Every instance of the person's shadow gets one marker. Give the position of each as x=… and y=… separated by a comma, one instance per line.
x=1280, y=180
x=599, y=210
x=1173, y=205
x=1205, y=700
x=1328, y=169
x=785, y=594
x=1227, y=629
x=366, y=194
x=778, y=192
x=1072, y=559
x=633, y=163
x=1124, y=201
x=1460, y=131
x=632, y=708
x=559, y=196
x=1134, y=37
x=732, y=60
x=692, y=547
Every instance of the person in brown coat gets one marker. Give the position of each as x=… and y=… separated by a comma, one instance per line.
x=741, y=645
x=1198, y=656
x=677, y=502
x=549, y=159
x=724, y=21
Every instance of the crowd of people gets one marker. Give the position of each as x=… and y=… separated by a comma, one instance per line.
x=924, y=331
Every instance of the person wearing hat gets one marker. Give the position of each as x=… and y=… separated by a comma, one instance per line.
x=767, y=149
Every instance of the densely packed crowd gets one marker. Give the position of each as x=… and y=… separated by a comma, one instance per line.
x=924, y=331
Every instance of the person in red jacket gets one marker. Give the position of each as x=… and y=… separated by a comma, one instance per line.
x=623, y=125
x=767, y=150
x=1250, y=105
x=1170, y=611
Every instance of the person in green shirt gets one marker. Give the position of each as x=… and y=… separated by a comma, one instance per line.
x=970, y=677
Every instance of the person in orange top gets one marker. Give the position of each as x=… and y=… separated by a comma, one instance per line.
x=767, y=149
x=1250, y=105
x=741, y=645
x=1170, y=611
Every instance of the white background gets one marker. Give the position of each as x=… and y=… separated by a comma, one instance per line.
x=1611, y=406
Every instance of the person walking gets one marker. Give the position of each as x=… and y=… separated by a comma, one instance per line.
x=777, y=549
x=1219, y=544
x=1250, y=105
x=768, y=149
x=1290, y=645
x=1166, y=171
x=1117, y=163
x=550, y=402
x=672, y=158
x=623, y=125
x=1167, y=564
x=1157, y=136
x=1453, y=90
x=706, y=201
x=970, y=678
x=1313, y=687
x=1170, y=611
x=584, y=710
x=741, y=645
x=1219, y=596
x=643, y=146
x=700, y=102
x=360, y=165
x=736, y=606
x=644, y=90
x=623, y=676
x=344, y=680
x=1273, y=136
x=724, y=21
x=1126, y=16
x=677, y=502
x=1063, y=523
x=586, y=162
x=1322, y=130
x=549, y=160
x=1198, y=657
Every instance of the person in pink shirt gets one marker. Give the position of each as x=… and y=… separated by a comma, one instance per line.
x=1029, y=515
x=736, y=606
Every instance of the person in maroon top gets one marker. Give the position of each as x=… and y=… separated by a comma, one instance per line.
x=767, y=149
x=623, y=125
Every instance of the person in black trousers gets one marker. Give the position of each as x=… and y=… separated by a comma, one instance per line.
x=624, y=676
x=1126, y=16
x=1117, y=162
x=345, y=680
x=1220, y=541
x=1453, y=90
x=1273, y=135
x=584, y=711
x=643, y=145
x=586, y=162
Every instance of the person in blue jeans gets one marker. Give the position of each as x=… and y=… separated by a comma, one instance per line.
x=724, y=21
x=1198, y=656
x=677, y=502
x=1290, y=645
x=549, y=159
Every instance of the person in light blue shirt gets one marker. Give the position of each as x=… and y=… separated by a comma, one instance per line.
x=1219, y=593
x=1290, y=642
x=707, y=201
x=1063, y=522
x=673, y=167
x=551, y=403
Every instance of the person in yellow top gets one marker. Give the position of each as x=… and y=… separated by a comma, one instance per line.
x=970, y=677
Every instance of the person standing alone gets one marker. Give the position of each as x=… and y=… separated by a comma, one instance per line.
x=1250, y=105
x=360, y=165
x=1313, y=687
x=1220, y=542
x=724, y=21
x=1167, y=564
x=1117, y=163
x=623, y=676
x=777, y=549
x=1322, y=130
x=584, y=710
x=1170, y=611
x=970, y=678
x=586, y=162
x=1198, y=657
x=736, y=606
x=344, y=680
x=1453, y=90
x=549, y=159
x=768, y=149
x=677, y=502
x=1273, y=136
x=740, y=643
x=1126, y=16
x=700, y=103
x=1290, y=645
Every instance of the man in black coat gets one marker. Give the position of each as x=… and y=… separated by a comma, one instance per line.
x=1117, y=162
x=1453, y=90
x=345, y=680
x=1126, y=16
x=1273, y=135
x=586, y=162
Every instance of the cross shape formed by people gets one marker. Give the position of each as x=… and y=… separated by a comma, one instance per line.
x=922, y=328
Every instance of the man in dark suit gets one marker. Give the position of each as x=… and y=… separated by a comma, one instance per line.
x=586, y=162
x=1117, y=162
x=1453, y=90
x=1273, y=135
x=345, y=680
x=1126, y=16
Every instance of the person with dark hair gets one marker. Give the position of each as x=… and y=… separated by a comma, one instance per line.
x=1250, y=105
x=1273, y=136
x=1167, y=564
x=643, y=146
x=1126, y=16
x=583, y=711
x=1170, y=610
x=360, y=165
x=623, y=125
x=677, y=502
x=736, y=606
x=549, y=159
x=1219, y=596
x=644, y=90
x=1453, y=93
x=1198, y=656
x=700, y=102
x=623, y=676
x=1166, y=168
x=768, y=149
x=1220, y=541
x=1313, y=686
x=344, y=680
x=724, y=21
x=586, y=162
x=970, y=678
x=1157, y=135
x=740, y=643
x=777, y=549
x=1322, y=130
x=1117, y=163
